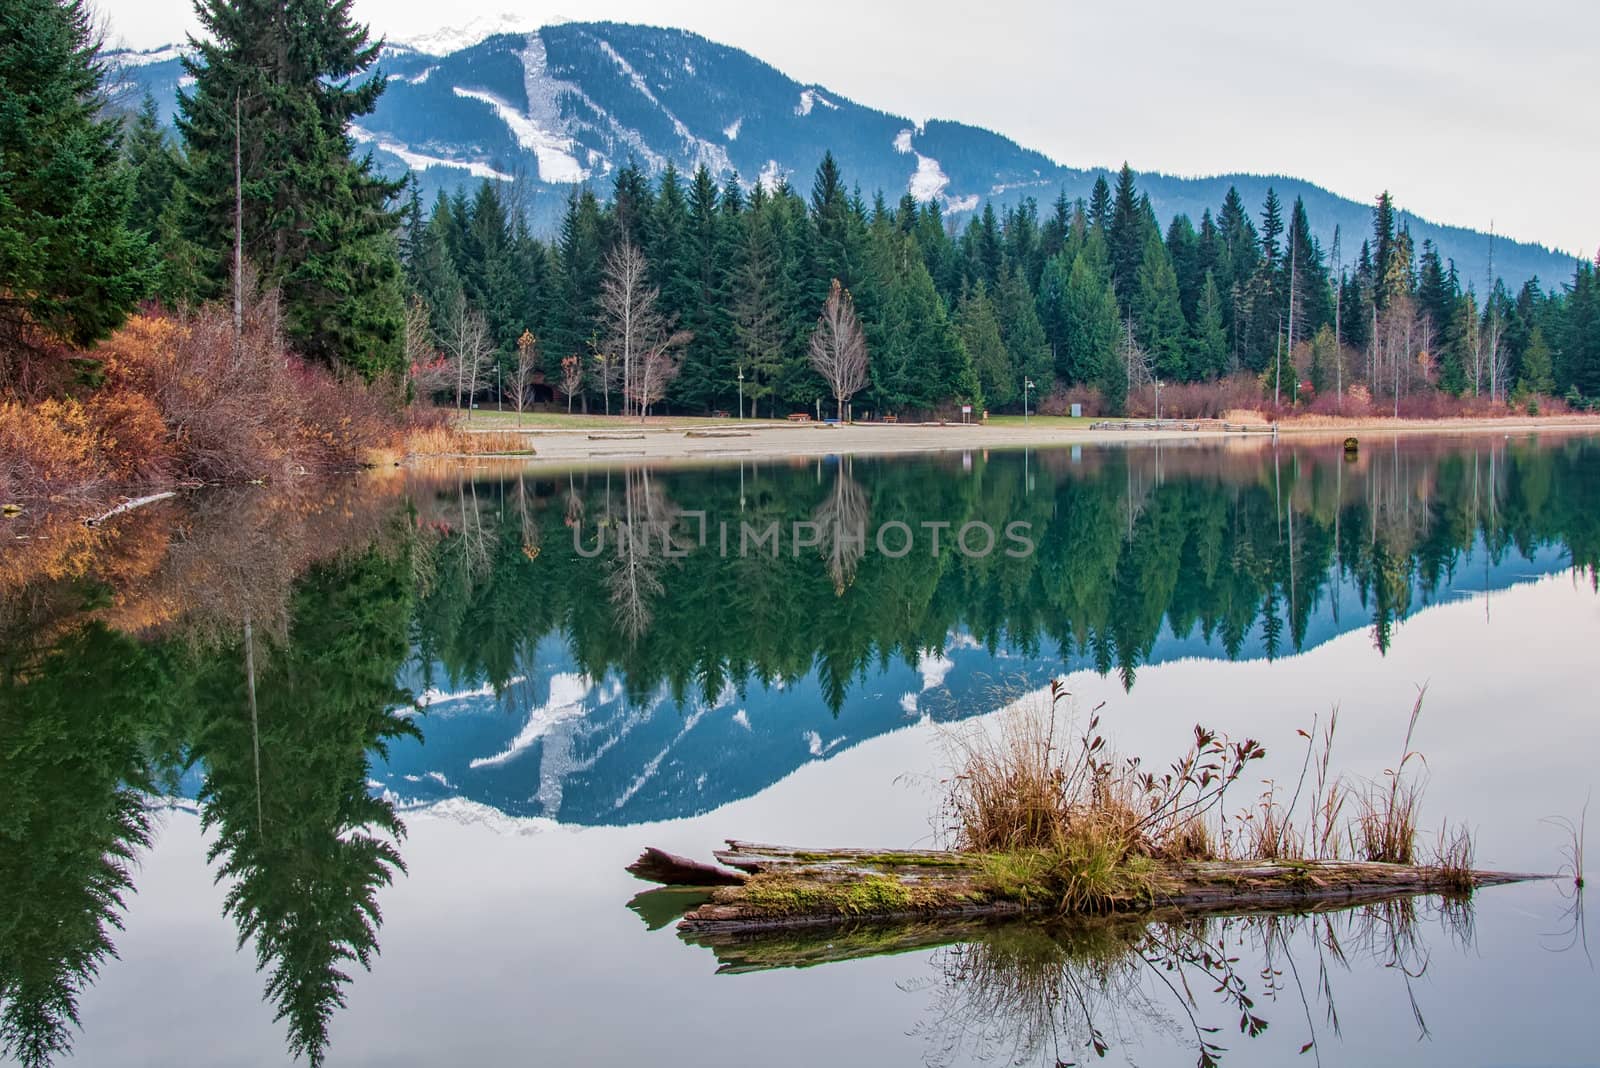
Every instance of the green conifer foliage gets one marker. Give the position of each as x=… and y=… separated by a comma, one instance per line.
x=70, y=263
x=283, y=81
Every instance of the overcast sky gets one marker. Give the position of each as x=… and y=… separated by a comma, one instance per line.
x=1468, y=110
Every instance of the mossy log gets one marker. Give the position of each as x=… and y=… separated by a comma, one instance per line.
x=787, y=887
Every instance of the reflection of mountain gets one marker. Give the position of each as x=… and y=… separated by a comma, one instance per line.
x=558, y=744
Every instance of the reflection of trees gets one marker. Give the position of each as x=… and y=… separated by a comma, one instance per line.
x=92, y=721
x=1045, y=994
x=842, y=520
x=303, y=843
x=641, y=538
x=74, y=728
x=1242, y=548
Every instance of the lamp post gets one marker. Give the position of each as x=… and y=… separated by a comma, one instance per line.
x=1157, y=381
x=1027, y=384
x=741, y=392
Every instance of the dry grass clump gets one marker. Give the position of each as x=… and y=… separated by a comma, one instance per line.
x=1387, y=811
x=1455, y=856
x=1572, y=853
x=1061, y=817
x=442, y=439
x=1061, y=820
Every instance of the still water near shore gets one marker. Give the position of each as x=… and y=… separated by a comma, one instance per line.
x=415, y=725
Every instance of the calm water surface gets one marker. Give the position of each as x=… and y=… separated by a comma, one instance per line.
x=251, y=744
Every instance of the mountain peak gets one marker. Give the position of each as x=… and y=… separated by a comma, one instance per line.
x=504, y=98
x=448, y=39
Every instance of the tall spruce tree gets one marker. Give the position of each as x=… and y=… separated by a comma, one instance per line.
x=1125, y=241
x=980, y=333
x=1158, y=313
x=70, y=264
x=278, y=83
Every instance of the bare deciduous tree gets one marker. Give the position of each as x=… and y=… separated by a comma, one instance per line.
x=839, y=348
x=571, y=378
x=526, y=370
x=430, y=371
x=467, y=339
x=639, y=337
x=657, y=367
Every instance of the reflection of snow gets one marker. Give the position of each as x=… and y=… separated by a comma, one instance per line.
x=742, y=718
x=908, y=703
x=654, y=764
x=460, y=810
x=731, y=131
x=815, y=746
x=933, y=668
x=567, y=692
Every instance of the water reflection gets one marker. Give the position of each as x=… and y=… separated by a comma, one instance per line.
x=617, y=651
x=267, y=694
x=1061, y=992
x=256, y=654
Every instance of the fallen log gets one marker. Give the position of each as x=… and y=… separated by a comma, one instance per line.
x=784, y=887
x=658, y=866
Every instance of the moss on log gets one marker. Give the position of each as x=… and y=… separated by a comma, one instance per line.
x=787, y=887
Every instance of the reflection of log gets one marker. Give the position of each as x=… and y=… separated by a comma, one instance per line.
x=790, y=888
x=127, y=506
x=659, y=866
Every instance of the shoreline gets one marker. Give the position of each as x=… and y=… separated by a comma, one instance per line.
x=713, y=443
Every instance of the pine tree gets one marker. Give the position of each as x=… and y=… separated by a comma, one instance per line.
x=1027, y=348
x=757, y=308
x=1125, y=241
x=1538, y=376
x=1100, y=206
x=1209, y=354
x=1158, y=314
x=1088, y=355
x=980, y=333
x=70, y=263
x=280, y=83
x=1579, y=366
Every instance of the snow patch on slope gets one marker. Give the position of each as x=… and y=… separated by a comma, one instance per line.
x=902, y=142
x=731, y=131
x=772, y=175
x=966, y=203
x=714, y=157
x=421, y=162
x=809, y=99
x=557, y=164
x=929, y=180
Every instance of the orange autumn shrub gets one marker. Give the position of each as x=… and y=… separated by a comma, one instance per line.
x=48, y=450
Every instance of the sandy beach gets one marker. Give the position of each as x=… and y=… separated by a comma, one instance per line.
x=665, y=442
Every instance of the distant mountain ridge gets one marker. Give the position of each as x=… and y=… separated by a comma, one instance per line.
x=570, y=103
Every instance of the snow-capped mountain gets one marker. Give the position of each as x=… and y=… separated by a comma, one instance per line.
x=571, y=103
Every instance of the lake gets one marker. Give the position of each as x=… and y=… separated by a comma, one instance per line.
x=351, y=772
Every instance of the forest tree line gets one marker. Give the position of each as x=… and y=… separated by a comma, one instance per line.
x=1092, y=299
x=1091, y=296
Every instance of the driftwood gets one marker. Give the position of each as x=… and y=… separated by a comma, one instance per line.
x=716, y=433
x=669, y=869
x=127, y=506
x=616, y=437
x=788, y=888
